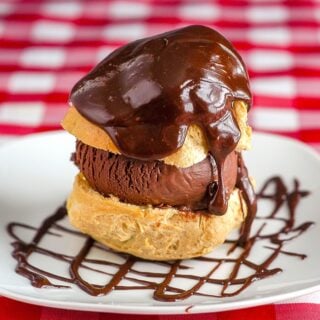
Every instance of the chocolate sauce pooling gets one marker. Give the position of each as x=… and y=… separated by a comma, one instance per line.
x=163, y=288
x=147, y=93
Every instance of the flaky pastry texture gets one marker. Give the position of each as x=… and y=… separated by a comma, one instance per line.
x=148, y=232
x=194, y=149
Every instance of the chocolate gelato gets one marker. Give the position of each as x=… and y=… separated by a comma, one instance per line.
x=152, y=182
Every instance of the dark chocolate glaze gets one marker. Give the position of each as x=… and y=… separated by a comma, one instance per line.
x=147, y=93
x=162, y=287
x=244, y=184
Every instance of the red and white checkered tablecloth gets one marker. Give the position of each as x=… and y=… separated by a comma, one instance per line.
x=46, y=46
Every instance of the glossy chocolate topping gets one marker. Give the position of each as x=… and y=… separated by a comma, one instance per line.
x=127, y=274
x=147, y=93
x=152, y=182
x=244, y=184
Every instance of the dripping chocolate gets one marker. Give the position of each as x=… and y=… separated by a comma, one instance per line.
x=146, y=94
x=131, y=113
x=160, y=125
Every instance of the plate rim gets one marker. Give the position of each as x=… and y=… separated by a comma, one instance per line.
x=159, y=309
x=165, y=308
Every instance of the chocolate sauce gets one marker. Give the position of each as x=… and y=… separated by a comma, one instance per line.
x=244, y=184
x=22, y=250
x=147, y=93
x=163, y=289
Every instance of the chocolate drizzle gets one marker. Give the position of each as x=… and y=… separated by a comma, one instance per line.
x=22, y=250
x=244, y=184
x=146, y=94
x=163, y=289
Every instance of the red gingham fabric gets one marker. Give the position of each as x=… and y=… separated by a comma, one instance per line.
x=46, y=46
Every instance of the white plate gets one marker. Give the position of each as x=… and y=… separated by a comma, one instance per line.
x=36, y=176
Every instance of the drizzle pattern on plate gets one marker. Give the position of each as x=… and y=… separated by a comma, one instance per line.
x=229, y=269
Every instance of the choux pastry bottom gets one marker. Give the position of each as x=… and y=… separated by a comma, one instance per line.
x=150, y=232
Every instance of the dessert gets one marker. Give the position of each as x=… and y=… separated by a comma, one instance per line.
x=160, y=126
